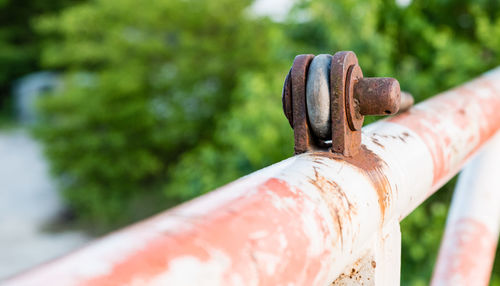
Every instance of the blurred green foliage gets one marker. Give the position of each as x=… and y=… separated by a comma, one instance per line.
x=19, y=43
x=142, y=89
x=165, y=100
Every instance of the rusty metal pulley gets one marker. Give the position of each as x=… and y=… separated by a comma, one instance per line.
x=325, y=99
x=318, y=96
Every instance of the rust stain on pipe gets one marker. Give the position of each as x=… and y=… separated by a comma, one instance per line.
x=338, y=203
x=360, y=273
x=372, y=166
x=377, y=142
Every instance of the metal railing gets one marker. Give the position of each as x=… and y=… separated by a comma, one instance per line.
x=468, y=248
x=317, y=218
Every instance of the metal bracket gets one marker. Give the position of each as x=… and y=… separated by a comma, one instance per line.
x=351, y=98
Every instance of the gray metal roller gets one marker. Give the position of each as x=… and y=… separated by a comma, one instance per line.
x=318, y=96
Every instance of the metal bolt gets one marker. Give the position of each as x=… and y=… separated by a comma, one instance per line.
x=378, y=96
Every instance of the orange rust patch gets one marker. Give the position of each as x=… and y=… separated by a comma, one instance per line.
x=372, y=166
x=338, y=203
x=226, y=232
x=357, y=275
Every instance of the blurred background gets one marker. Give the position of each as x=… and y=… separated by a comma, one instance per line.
x=113, y=110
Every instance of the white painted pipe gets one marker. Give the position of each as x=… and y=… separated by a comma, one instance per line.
x=468, y=248
x=302, y=221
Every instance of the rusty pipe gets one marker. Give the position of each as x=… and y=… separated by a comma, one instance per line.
x=300, y=221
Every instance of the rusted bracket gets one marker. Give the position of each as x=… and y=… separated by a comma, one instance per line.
x=335, y=91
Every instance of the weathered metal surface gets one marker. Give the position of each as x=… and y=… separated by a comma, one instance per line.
x=353, y=105
x=336, y=99
x=455, y=123
x=378, y=96
x=286, y=99
x=304, y=141
x=468, y=248
x=318, y=96
x=381, y=265
x=302, y=221
x=345, y=141
x=407, y=101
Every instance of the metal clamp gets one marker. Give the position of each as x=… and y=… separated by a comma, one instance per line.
x=325, y=99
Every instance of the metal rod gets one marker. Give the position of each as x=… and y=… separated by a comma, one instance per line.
x=407, y=101
x=301, y=221
x=471, y=235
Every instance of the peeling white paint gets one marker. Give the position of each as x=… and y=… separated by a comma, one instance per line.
x=189, y=270
x=269, y=260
